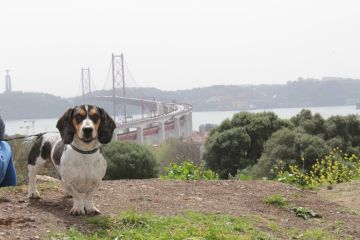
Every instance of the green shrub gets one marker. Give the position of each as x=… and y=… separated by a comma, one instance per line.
x=188, y=171
x=304, y=213
x=176, y=151
x=290, y=146
x=238, y=143
x=335, y=167
x=227, y=151
x=128, y=160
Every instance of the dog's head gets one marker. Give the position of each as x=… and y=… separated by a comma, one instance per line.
x=87, y=123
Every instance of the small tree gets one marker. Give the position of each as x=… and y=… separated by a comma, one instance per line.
x=128, y=160
x=239, y=142
x=312, y=124
x=290, y=147
x=227, y=151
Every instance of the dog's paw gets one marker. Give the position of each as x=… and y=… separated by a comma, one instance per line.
x=92, y=211
x=77, y=211
x=34, y=195
x=67, y=195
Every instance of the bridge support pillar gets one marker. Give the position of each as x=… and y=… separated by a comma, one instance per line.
x=177, y=127
x=189, y=124
x=115, y=134
x=140, y=135
x=161, y=132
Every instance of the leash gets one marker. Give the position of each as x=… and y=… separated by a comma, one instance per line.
x=38, y=135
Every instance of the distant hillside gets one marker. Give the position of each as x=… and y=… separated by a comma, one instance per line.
x=299, y=93
x=20, y=105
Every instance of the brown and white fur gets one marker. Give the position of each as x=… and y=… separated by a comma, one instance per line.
x=76, y=155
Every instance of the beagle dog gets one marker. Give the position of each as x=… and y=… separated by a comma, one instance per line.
x=76, y=155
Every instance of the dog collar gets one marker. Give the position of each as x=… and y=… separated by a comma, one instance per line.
x=84, y=152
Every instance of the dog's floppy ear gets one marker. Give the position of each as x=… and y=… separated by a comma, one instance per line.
x=107, y=126
x=66, y=127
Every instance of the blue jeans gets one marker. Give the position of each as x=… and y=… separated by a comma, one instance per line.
x=7, y=169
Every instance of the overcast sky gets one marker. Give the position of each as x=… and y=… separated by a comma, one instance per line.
x=176, y=44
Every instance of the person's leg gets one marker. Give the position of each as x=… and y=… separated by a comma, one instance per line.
x=10, y=176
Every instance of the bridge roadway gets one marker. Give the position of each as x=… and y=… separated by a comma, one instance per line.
x=170, y=120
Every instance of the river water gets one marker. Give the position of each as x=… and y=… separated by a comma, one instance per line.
x=32, y=126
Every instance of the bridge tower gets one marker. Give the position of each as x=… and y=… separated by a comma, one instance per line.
x=118, y=80
x=7, y=82
x=85, y=82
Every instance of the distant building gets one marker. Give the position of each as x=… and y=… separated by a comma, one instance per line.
x=199, y=138
x=7, y=82
x=204, y=129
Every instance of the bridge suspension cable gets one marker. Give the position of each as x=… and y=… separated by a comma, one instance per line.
x=133, y=79
x=107, y=76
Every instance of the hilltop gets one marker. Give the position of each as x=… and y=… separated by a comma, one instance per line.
x=24, y=219
x=299, y=93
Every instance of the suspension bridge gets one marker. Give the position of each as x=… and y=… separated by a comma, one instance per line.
x=166, y=119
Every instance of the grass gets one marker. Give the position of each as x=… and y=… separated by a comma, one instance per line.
x=190, y=225
x=42, y=186
x=6, y=190
x=276, y=200
x=349, y=211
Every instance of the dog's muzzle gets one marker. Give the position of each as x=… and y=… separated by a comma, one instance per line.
x=87, y=134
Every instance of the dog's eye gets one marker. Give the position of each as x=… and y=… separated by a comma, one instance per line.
x=94, y=118
x=79, y=118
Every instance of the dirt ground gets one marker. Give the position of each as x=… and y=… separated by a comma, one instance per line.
x=346, y=194
x=21, y=218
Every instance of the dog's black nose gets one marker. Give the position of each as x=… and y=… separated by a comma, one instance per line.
x=88, y=131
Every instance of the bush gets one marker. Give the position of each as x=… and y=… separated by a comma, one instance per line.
x=227, y=151
x=176, y=151
x=238, y=143
x=312, y=124
x=288, y=147
x=188, y=171
x=128, y=160
x=335, y=167
x=343, y=131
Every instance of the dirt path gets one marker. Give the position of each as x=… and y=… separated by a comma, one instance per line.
x=24, y=219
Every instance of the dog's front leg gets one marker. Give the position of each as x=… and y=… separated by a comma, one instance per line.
x=89, y=204
x=67, y=193
x=78, y=206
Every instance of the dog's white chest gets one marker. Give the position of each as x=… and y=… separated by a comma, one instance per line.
x=83, y=171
